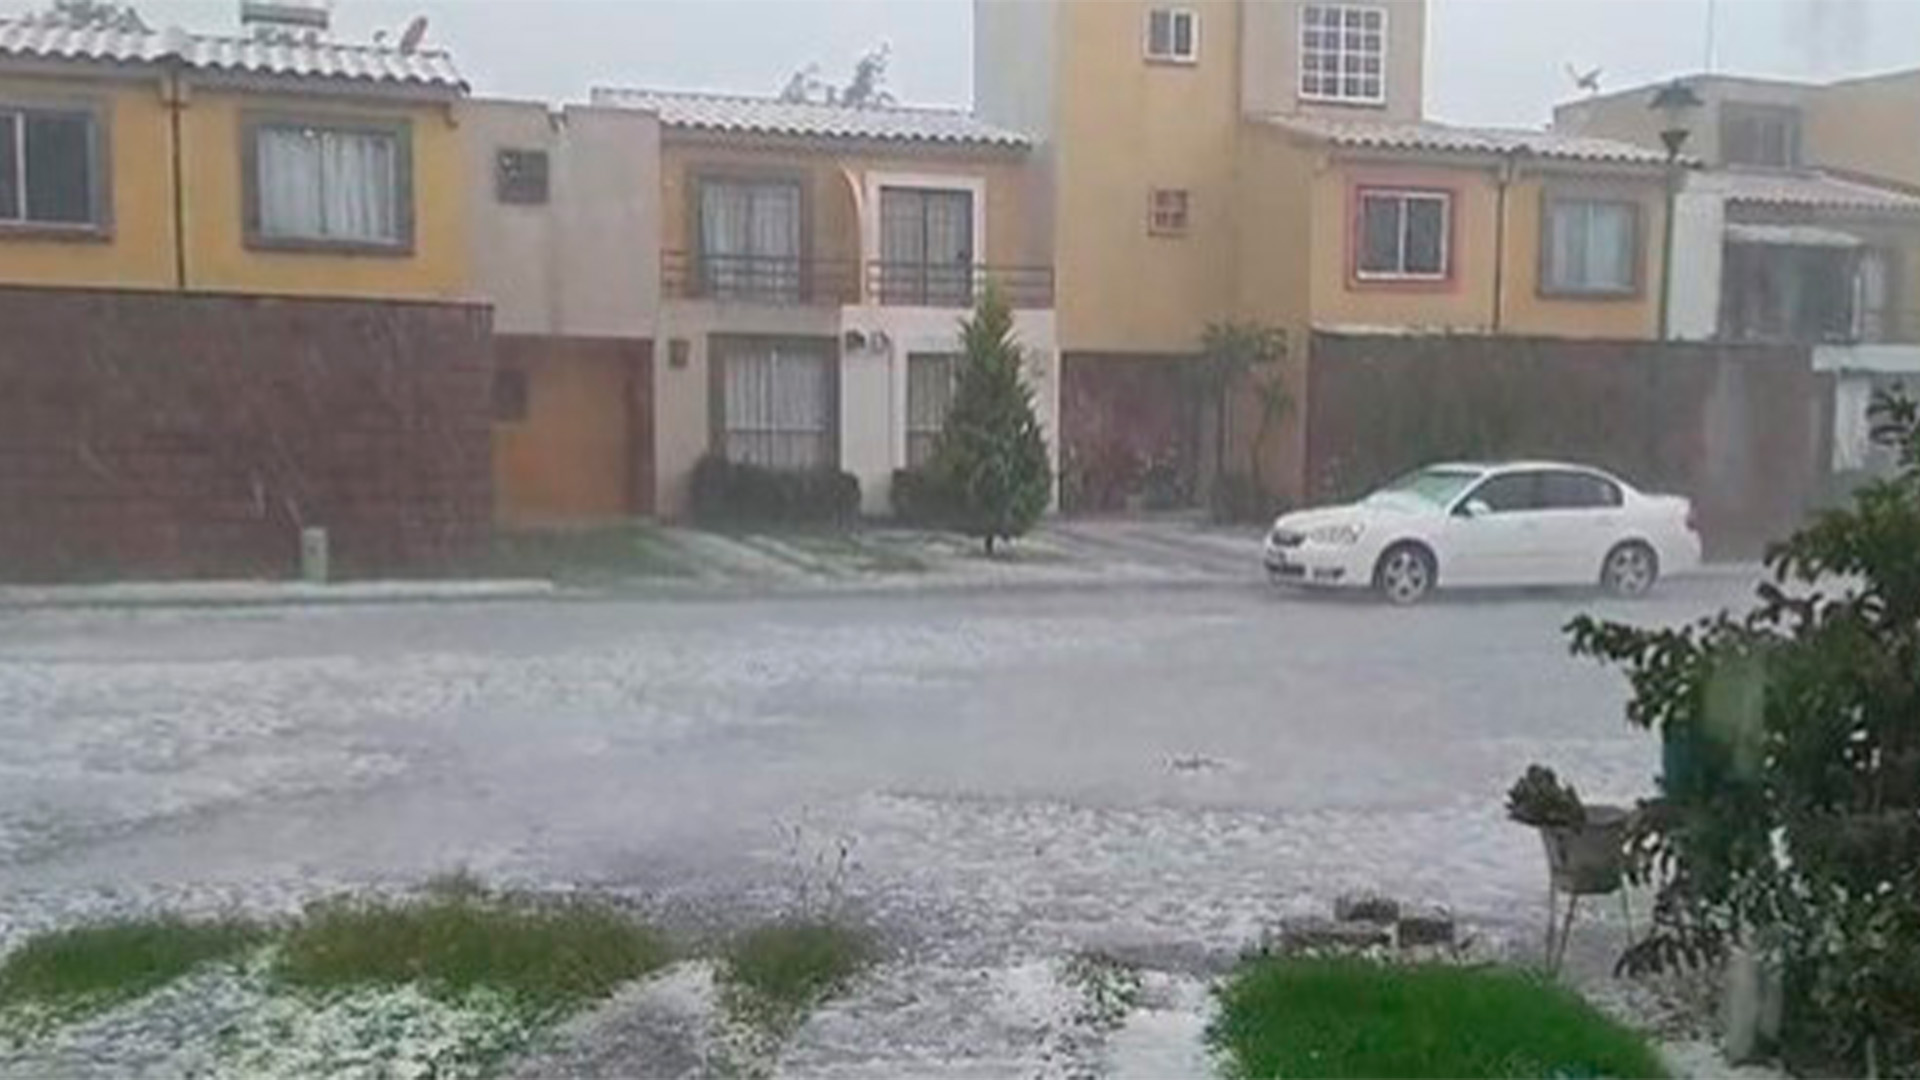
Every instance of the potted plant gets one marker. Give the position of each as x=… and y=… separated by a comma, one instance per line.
x=1585, y=844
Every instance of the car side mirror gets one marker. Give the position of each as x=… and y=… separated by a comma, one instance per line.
x=1474, y=508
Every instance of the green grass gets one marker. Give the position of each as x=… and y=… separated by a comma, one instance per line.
x=594, y=555
x=95, y=966
x=1341, y=1018
x=550, y=954
x=785, y=968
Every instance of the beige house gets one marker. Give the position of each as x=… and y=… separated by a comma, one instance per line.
x=814, y=264
x=1803, y=227
x=563, y=228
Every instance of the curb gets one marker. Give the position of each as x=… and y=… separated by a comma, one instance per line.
x=238, y=594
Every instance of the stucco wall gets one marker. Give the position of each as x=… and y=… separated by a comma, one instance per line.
x=1127, y=126
x=587, y=261
x=218, y=258
x=137, y=251
x=1529, y=308
x=1270, y=61
x=1868, y=125
x=1628, y=116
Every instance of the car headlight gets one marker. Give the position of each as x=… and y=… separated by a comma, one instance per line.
x=1340, y=535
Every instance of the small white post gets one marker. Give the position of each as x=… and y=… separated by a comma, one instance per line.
x=313, y=555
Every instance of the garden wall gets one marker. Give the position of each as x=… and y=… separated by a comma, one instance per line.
x=1738, y=429
x=157, y=434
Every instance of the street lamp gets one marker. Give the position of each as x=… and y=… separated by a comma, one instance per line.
x=1675, y=102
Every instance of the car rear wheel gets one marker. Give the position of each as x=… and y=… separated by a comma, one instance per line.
x=1405, y=574
x=1630, y=570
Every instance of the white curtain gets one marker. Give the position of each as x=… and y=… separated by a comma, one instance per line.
x=1592, y=246
x=779, y=408
x=750, y=239
x=328, y=185
x=930, y=384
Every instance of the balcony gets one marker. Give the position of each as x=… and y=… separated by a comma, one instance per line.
x=894, y=284
x=781, y=280
x=759, y=279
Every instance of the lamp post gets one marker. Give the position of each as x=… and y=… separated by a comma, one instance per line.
x=1675, y=102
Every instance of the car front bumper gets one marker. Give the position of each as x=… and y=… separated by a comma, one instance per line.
x=1323, y=565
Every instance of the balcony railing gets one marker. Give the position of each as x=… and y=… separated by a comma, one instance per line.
x=764, y=279
x=899, y=284
x=759, y=279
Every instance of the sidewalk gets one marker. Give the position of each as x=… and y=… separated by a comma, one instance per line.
x=673, y=562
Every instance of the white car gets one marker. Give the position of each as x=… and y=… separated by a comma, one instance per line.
x=1513, y=523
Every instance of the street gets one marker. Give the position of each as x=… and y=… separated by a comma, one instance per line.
x=1006, y=773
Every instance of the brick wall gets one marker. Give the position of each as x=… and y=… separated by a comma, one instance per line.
x=1738, y=429
x=154, y=434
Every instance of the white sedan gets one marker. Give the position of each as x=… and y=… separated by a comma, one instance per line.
x=1514, y=523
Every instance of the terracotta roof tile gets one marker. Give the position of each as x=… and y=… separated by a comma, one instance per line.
x=1431, y=137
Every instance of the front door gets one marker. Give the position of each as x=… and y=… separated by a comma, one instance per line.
x=1493, y=536
x=926, y=247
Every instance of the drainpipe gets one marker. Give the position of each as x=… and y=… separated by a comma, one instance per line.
x=175, y=92
x=1502, y=178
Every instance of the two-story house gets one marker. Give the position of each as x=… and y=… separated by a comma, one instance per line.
x=233, y=300
x=815, y=261
x=1270, y=160
x=1803, y=227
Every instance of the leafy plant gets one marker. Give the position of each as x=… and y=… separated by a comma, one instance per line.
x=1233, y=356
x=730, y=493
x=1539, y=799
x=778, y=971
x=990, y=460
x=1791, y=811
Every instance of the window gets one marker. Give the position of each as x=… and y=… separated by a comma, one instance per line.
x=1508, y=493
x=49, y=168
x=1577, y=491
x=509, y=395
x=1173, y=35
x=1343, y=53
x=750, y=239
x=520, y=176
x=930, y=383
x=313, y=184
x=1403, y=235
x=1765, y=135
x=779, y=406
x=926, y=247
x=1167, y=211
x=1590, y=246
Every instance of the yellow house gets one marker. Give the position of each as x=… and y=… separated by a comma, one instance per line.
x=280, y=162
x=1269, y=160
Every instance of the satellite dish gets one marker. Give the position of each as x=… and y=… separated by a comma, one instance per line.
x=417, y=29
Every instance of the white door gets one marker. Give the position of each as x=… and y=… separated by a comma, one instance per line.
x=1493, y=535
x=1580, y=517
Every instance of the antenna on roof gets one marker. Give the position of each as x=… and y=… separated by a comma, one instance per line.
x=416, y=30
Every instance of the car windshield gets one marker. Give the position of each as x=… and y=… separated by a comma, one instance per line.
x=1437, y=486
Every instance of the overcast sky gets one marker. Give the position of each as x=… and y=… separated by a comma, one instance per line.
x=1489, y=61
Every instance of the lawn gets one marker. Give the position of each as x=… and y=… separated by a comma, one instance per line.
x=783, y=969
x=1349, y=1018
x=586, y=556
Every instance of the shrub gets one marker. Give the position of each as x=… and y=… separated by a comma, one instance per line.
x=1340, y=1018
x=729, y=493
x=919, y=499
x=1794, y=824
x=1541, y=800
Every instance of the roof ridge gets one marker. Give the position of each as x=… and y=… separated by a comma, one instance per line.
x=166, y=33
x=775, y=99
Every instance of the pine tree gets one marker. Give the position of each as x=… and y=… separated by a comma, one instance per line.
x=990, y=461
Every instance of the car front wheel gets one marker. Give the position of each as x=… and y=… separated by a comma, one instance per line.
x=1405, y=574
x=1630, y=570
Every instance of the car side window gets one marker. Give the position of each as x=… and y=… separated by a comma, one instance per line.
x=1508, y=493
x=1578, y=491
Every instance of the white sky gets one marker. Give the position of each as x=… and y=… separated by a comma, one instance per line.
x=1489, y=61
